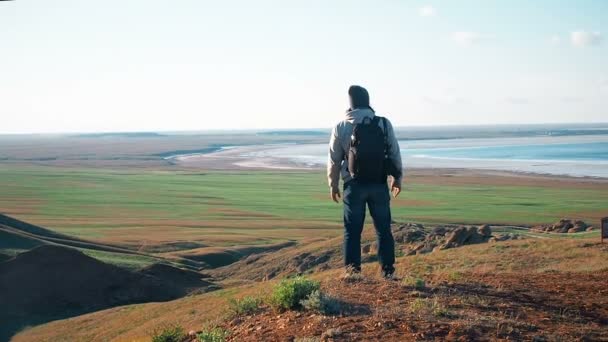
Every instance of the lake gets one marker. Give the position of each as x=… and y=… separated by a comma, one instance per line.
x=581, y=156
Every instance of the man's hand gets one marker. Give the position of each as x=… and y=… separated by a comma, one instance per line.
x=335, y=195
x=395, y=188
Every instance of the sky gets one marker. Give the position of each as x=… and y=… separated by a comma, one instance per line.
x=148, y=65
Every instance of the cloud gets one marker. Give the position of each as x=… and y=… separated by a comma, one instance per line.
x=584, y=38
x=445, y=100
x=427, y=11
x=555, y=40
x=518, y=100
x=571, y=99
x=468, y=38
x=603, y=84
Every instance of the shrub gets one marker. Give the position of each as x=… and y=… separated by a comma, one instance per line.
x=244, y=306
x=213, y=335
x=319, y=302
x=172, y=333
x=352, y=277
x=288, y=294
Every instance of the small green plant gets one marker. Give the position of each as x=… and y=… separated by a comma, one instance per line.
x=216, y=334
x=399, y=253
x=288, y=294
x=455, y=276
x=244, y=306
x=321, y=303
x=415, y=282
x=424, y=306
x=170, y=333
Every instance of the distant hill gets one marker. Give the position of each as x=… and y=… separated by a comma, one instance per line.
x=46, y=276
x=121, y=135
x=19, y=235
x=295, y=132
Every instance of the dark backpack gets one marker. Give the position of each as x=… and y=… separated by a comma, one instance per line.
x=368, y=151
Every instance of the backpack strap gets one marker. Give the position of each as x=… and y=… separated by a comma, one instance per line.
x=386, y=147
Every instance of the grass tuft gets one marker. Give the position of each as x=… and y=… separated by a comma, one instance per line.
x=171, y=333
x=244, y=306
x=426, y=306
x=216, y=334
x=415, y=282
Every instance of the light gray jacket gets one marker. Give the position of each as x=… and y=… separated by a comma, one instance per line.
x=339, y=145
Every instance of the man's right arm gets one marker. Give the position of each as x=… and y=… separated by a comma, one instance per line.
x=334, y=161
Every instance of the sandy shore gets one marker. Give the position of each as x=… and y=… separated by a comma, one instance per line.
x=248, y=158
x=240, y=158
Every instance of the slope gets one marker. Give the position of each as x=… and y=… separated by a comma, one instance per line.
x=523, y=289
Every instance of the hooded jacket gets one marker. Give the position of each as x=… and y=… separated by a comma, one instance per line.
x=339, y=145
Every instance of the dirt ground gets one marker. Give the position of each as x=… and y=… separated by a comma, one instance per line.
x=493, y=307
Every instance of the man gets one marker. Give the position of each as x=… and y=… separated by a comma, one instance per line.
x=366, y=181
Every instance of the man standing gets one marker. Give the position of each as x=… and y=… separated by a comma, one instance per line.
x=363, y=150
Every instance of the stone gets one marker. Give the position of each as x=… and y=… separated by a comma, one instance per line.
x=484, y=230
x=456, y=238
x=373, y=247
x=580, y=223
x=424, y=248
x=408, y=251
x=438, y=231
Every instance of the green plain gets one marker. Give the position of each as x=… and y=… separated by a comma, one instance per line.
x=259, y=206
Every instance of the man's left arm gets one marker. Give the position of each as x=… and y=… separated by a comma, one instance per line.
x=394, y=155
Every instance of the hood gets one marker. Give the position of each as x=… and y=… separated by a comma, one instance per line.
x=357, y=115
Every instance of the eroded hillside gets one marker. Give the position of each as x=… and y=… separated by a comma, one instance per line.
x=536, y=288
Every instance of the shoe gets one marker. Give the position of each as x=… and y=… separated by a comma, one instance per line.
x=388, y=273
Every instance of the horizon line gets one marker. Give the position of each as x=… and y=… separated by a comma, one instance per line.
x=242, y=130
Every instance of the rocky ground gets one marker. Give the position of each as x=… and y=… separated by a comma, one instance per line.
x=410, y=239
x=414, y=238
x=564, y=226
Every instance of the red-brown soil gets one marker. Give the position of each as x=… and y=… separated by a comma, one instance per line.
x=500, y=307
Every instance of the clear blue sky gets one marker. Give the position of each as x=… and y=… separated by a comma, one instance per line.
x=137, y=65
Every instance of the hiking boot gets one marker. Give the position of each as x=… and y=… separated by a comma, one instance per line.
x=388, y=273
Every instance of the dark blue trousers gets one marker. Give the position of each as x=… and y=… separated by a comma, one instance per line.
x=377, y=198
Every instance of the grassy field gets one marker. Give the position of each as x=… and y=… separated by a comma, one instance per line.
x=225, y=208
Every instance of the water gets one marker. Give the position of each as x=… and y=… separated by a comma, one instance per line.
x=582, y=156
x=552, y=152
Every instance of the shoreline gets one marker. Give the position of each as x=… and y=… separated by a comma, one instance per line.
x=241, y=158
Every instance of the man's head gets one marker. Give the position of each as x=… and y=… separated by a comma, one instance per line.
x=359, y=97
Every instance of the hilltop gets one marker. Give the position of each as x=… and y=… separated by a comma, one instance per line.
x=542, y=288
